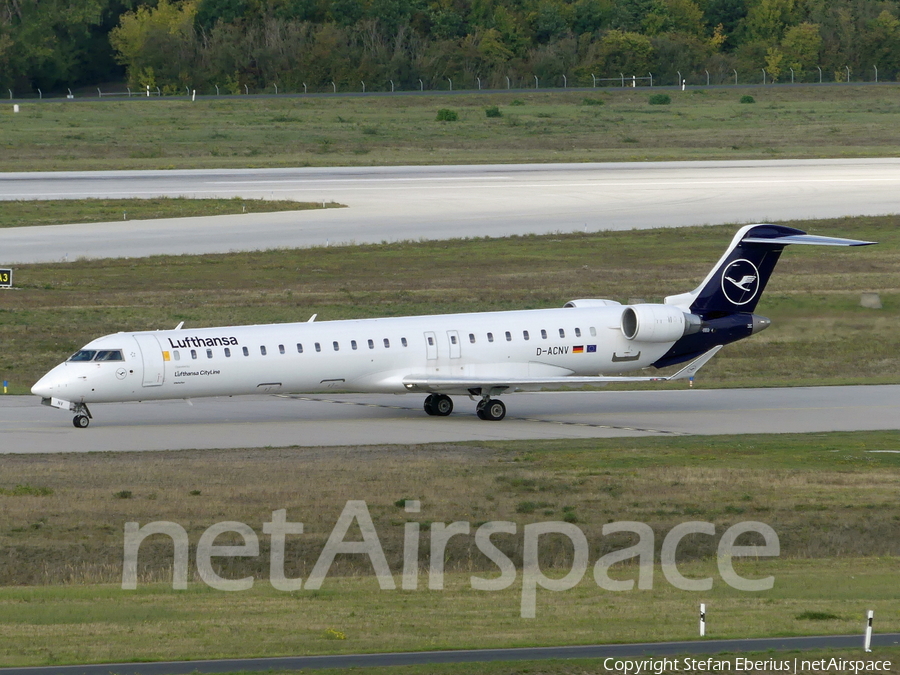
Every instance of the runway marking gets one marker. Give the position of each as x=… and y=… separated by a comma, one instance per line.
x=352, y=180
x=604, y=426
x=599, y=183
x=588, y=425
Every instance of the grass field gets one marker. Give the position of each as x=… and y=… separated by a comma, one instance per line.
x=23, y=213
x=820, y=334
x=830, y=498
x=597, y=125
x=89, y=624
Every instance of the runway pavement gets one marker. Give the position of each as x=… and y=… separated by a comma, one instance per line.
x=411, y=203
x=343, y=420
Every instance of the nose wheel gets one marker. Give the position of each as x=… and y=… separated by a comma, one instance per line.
x=439, y=405
x=490, y=409
x=82, y=416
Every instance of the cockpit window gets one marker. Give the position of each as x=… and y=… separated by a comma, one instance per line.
x=95, y=355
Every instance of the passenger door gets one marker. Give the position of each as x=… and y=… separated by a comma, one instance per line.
x=152, y=357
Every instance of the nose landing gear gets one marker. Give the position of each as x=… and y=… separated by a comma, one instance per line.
x=82, y=417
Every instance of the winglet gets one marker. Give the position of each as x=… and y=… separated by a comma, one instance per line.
x=690, y=369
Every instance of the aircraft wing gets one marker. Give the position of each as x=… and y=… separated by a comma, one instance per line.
x=464, y=384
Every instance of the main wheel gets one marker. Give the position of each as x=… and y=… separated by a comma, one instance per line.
x=442, y=405
x=429, y=404
x=495, y=410
x=81, y=421
x=479, y=409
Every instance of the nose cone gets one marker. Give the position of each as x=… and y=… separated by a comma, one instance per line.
x=52, y=384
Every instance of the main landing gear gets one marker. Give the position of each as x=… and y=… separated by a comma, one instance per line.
x=82, y=417
x=490, y=409
x=440, y=405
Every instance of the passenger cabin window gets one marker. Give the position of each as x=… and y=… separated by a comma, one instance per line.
x=83, y=355
x=525, y=335
x=227, y=352
x=177, y=355
x=352, y=344
x=508, y=336
x=472, y=338
x=593, y=332
x=453, y=340
x=562, y=333
x=262, y=350
x=430, y=341
x=577, y=332
x=490, y=337
x=372, y=344
x=543, y=334
x=246, y=351
x=318, y=347
x=404, y=342
x=387, y=343
x=109, y=355
x=299, y=348
x=336, y=346
x=209, y=353
x=281, y=349
x=193, y=353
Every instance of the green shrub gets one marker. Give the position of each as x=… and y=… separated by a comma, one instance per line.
x=447, y=115
x=26, y=491
x=660, y=99
x=493, y=111
x=123, y=494
x=816, y=616
x=517, y=102
x=591, y=101
x=746, y=98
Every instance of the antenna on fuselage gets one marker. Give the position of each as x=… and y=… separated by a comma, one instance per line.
x=178, y=327
x=312, y=318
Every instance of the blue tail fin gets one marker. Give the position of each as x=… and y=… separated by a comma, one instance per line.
x=736, y=282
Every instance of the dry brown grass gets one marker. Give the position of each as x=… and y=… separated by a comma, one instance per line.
x=822, y=501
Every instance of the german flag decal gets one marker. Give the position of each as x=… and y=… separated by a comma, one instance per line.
x=578, y=349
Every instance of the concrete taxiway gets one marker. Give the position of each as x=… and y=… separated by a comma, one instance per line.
x=436, y=202
x=344, y=420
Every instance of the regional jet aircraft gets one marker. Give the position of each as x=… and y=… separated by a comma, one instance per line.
x=480, y=355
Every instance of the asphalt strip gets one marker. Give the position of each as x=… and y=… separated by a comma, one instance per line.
x=644, y=649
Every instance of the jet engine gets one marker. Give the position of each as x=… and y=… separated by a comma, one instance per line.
x=658, y=323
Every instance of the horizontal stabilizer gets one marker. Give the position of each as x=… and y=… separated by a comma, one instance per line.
x=808, y=239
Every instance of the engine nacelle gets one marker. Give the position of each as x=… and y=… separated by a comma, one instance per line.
x=658, y=323
x=592, y=303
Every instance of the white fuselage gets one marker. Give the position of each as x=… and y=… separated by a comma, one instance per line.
x=369, y=355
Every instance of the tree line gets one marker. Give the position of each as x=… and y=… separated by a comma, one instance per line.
x=296, y=44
